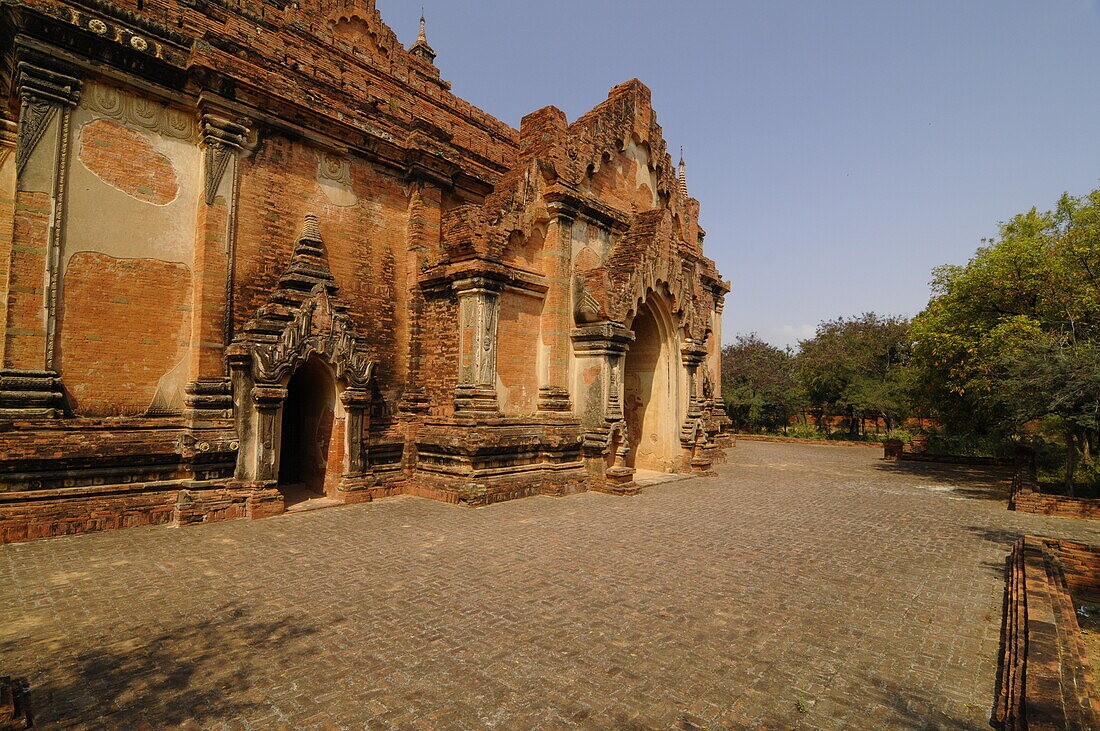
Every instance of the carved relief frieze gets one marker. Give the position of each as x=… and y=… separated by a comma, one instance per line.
x=141, y=112
x=335, y=178
x=35, y=118
x=334, y=168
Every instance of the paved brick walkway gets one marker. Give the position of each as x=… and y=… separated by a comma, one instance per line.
x=806, y=587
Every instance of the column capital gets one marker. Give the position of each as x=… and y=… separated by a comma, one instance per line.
x=608, y=337
x=693, y=353
x=222, y=139
x=38, y=83
x=476, y=285
x=218, y=129
x=356, y=398
x=268, y=397
x=562, y=211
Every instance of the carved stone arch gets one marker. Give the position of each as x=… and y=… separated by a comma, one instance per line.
x=655, y=394
x=617, y=431
x=647, y=288
x=316, y=329
x=301, y=319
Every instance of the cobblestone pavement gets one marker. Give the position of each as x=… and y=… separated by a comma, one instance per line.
x=805, y=587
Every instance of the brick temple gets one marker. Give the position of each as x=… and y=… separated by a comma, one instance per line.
x=257, y=252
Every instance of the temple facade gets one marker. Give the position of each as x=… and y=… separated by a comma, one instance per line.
x=256, y=252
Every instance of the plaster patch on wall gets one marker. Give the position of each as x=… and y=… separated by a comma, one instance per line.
x=102, y=217
x=169, y=396
x=126, y=160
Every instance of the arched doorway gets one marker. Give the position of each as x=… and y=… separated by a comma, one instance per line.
x=307, y=430
x=652, y=390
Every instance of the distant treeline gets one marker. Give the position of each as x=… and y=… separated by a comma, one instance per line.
x=1007, y=349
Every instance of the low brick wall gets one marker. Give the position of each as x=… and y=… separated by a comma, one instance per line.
x=1046, y=681
x=893, y=449
x=797, y=440
x=1027, y=498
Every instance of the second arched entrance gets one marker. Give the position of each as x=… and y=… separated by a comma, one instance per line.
x=651, y=385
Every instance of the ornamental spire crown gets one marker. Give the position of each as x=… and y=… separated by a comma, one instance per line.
x=421, y=49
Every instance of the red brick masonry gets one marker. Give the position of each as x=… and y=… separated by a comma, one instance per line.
x=1046, y=681
x=1027, y=498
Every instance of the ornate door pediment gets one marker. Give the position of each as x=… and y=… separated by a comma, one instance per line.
x=302, y=317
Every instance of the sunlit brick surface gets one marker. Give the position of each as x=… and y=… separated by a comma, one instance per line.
x=868, y=593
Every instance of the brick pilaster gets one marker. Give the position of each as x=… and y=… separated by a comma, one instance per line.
x=29, y=383
x=557, y=313
x=208, y=392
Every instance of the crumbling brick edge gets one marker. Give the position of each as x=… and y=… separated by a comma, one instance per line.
x=1045, y=679
x=15, y=712
x=1027, y=498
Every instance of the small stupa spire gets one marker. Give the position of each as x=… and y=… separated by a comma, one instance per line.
x=421, y=48
x=682, y=176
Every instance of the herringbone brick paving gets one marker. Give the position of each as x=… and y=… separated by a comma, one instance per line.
x=804, y=587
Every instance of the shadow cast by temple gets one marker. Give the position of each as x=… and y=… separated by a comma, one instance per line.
x=978, y=482
x=198, y=671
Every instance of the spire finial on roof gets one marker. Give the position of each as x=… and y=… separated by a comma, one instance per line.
x=421, y=48
x=682, y=176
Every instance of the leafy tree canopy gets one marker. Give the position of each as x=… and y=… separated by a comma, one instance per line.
x=757, y=384
x=1014, y=335
x=856, y=367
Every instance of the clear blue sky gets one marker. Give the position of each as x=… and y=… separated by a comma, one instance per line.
x=840, y=149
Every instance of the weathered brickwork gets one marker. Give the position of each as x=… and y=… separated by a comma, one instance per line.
x=113, y=371
x=259, y=252
x=127, y=160
x=1046, y=680
x=1028, y=498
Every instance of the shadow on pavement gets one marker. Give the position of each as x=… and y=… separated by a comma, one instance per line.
x=970, y=481
x=198, y=671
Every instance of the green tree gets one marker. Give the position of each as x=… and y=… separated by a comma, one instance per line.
x=1014, y=335
x=757, y=384
x=856, y=368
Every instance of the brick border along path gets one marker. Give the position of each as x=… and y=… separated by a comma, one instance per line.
x=806, y=586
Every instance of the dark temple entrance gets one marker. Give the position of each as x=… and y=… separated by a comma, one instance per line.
x=308, y=415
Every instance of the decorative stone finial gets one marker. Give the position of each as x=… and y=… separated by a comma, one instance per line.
x=421, y=49
x=682, y=176
x=310, y=231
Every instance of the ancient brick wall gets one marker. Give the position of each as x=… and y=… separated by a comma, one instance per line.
x=126, y=325
x=1027, y=498
x=518, y=353
x=125, y=304
x=243, y=188
x=7, y=206
x=362, y=213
